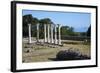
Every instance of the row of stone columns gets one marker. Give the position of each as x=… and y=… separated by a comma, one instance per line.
x=50, y=34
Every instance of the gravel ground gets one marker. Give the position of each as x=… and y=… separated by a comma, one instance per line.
x=46, y=52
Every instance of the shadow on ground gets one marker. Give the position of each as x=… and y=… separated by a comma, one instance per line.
x=55, y=59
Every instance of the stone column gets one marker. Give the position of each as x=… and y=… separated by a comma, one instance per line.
x=45, y=38
x=59, y=35
x=48, y=40
x=55, y=41
x=51, y=33
x=29, y=29
x=37, y=32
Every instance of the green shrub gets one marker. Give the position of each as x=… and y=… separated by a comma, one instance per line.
x=70, y=55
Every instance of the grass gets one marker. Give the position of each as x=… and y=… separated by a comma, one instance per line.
x=76, y=42
x=40, y=48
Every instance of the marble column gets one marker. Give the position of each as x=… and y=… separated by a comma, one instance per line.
x=45, y=38
x=29, y=29
x=37, y=32
x=51, y=33
x=59, y=35
x=55, y=41
x=48, y=39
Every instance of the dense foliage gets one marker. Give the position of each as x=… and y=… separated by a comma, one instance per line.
x=89, y=31
x=71, y=54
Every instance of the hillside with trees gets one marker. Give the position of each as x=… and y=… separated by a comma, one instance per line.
x=65, y=30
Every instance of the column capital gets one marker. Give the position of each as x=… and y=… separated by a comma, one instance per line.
x=29, y=23
x=59, y=25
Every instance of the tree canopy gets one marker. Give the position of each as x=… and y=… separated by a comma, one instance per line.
x=45, y=21
x=68, y=31
x=89, y=31
x=29, y=19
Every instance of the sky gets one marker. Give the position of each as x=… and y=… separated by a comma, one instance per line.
x=79, y=21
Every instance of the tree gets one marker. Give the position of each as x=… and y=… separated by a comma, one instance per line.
x=35, y=21
x=27, y=21
x=45, y=22
x=89, y=31
x=69, y=31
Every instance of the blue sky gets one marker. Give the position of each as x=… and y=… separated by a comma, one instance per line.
x=79, y=21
